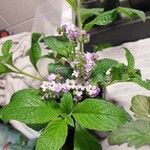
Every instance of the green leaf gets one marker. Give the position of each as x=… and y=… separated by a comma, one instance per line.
x=35, y=50
x=69, y=121
x=99, y=115
x=73, y=4
x=118, y=72
x=59, y=44
x=66, y=104
x=53, y=137
x=28, y=107
x=86, y=13
x=4, y=69
x=138, y=80
x=135, y=133
x=6, y=47
x=84, y=140
x=141, y=106
x=6, y=59
x=131, y=62
x=99, y=72
x=61, y=69
x=103, y=19
x=132, y=13
x=102, y=46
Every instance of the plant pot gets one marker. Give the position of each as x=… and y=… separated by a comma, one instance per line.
x=111, y=4
x=140, y=4
x=91, y=4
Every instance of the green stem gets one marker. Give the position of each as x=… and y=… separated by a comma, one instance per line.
x=79, y=23
x=79, y=14
x=26, y=74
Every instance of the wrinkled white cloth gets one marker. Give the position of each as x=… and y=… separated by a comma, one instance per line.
x=122, y=93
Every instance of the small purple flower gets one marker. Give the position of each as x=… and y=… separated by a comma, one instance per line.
x=65, y=88
x=51, y=77
x=58, y=87
x=72, y=32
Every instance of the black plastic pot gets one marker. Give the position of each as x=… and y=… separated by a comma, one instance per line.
x=91, y=4
x=140, y=4
x=111, y=4
x=120, y=32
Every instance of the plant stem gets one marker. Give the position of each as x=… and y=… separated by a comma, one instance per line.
x=26, y=74
x=79, y=14
x=79, y=23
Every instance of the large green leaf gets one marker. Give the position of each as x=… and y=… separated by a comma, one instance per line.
x=99, y=115
x=135, y=133
x=59, y=44
x=99, y=72
x=61, y=69
x=4, y=69
x=141, y=106
x=86, y=13
x=28, y=107
x=6, y=47
x=35, y=50
x=103, y=19
x=132, y=13
x=66, y=104
x=84, y=140
x=53, y=137
x=73, y=4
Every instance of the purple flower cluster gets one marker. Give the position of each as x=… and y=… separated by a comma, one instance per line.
x=84, y=64
x=89, y=63
x=76, y=87
x=74, y=34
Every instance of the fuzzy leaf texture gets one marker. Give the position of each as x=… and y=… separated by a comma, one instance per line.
x=4, y=69
x=60, y=69
x=131, y=62
x=66, y=104
x=59, y=44
x=6, y=47
x=143, y=83
x=35, y=50
x=28, y=107
x=141, y=106
x=99, y=71
x=53, y=137
x=99, y=115
x=84, y=140
x=135, y=133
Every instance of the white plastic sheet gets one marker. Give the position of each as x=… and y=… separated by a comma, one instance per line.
x=52, y=14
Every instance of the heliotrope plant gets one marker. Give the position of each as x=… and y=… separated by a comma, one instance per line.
x=72, y=93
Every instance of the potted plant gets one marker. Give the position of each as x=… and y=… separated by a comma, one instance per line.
x=69, y=96
x=140, y=4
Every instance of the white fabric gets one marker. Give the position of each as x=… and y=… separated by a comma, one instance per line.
x=122, y=93
x=49, y=16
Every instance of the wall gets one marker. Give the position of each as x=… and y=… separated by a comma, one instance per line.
x=18, y=15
